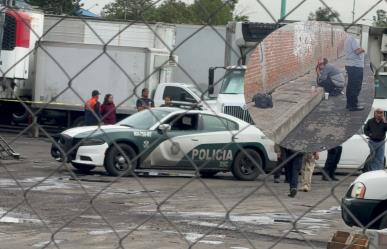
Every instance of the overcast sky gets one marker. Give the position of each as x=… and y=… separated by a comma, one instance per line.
x=256, y=13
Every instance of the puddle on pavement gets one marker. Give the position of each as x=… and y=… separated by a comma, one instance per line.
x=193, y=237
x=44, y=244
x=311, y=224
x=48, y=184
x=14, y=217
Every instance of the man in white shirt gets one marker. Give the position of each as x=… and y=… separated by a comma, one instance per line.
x=354, y=64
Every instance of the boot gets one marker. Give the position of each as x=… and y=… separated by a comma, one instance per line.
x=293, y=192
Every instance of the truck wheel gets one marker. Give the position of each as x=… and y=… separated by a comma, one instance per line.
x=84, y=168
x=79, y=121
x=117, y=163
x=208, y=174
x=21, y=114
x=243, y=168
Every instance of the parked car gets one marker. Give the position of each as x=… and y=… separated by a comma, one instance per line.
x=170, y=138
x=354, y=155
x=365, y=202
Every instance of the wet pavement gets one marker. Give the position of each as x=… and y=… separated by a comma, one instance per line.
x=94, y=210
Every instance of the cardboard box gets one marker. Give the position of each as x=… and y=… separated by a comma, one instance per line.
x=377, y=239
x=341, y=240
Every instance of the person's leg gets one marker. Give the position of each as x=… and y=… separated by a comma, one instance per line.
x=349, y=87
x=277, y=173
x=329, y=164
x=338, y=151
x=304, y=180
x=307, y=172
x=372, y=159
x=294, y=169
x=310, y=171
x=357, y=83
x=379, y=155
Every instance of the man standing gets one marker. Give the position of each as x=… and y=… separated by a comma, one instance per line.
x=333, y=158
x=92, y=109
x=354, y=64
x=144, y=102
x=375, y=129
x=309, y=163
x=293, y=169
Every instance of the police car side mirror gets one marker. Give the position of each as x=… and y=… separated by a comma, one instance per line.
x=164, y=128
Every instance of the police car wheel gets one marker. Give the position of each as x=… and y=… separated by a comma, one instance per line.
x=243, y=168
x=83, y=167
x=117, y=162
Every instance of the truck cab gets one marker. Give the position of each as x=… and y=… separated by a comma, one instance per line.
x=184, y=94
x=231, y=99
x=243, y=36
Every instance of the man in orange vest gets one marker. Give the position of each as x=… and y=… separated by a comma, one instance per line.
x=92, y=109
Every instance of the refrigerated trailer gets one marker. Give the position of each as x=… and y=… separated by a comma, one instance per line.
x=55, y=75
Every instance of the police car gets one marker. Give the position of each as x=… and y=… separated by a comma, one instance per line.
x=170, y=138
x=365, y=203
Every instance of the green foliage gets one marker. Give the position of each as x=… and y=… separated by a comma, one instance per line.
x=172, y=11
x=57, y=7
x=380, y=20
x=324, y=14
x=214, y=12
x=129, y=9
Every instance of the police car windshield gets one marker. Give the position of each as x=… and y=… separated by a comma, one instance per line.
x=233, y=82
x=145, y=119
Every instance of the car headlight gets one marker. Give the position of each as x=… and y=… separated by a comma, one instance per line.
x=91, y=141
x=358, y=190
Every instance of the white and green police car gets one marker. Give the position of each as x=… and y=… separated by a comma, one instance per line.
x=170, y=138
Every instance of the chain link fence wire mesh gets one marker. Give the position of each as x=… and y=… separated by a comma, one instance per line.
x=132, y=158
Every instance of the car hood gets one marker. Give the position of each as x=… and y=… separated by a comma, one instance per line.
x=86, y=130
x=372, y=176
x=231, y=99
x=375, y=183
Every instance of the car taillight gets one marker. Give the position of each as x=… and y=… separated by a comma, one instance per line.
x=358, y=190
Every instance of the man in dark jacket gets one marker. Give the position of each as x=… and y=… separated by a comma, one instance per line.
x=92, y=108
x=144, y=102
x=375, y=129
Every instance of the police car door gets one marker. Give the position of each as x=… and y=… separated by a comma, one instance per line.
x=216, y=149
x=181, y=139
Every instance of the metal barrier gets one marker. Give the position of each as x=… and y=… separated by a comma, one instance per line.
x=227, y=218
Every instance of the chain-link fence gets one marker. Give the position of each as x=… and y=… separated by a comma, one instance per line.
x=129, y=223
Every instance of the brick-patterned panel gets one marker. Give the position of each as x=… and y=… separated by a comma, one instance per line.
x=290, y=52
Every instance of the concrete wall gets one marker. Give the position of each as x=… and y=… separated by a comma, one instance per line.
x=204, y=49
x=289, y=53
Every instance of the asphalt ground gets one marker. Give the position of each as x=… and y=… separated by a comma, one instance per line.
x=156, y=211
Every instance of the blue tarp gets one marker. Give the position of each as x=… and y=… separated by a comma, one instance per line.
x=83, y=12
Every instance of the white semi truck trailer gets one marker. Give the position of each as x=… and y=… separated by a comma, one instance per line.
x=54, y=75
